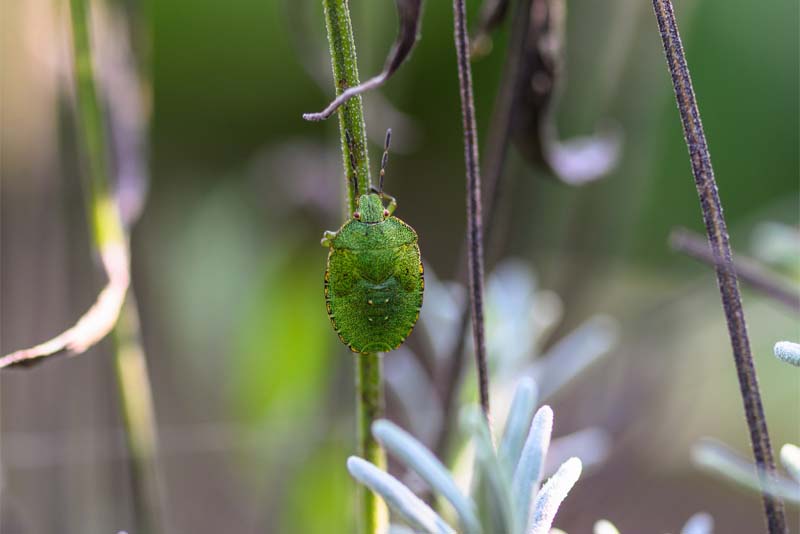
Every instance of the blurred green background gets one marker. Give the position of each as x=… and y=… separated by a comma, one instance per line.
x=253, y=391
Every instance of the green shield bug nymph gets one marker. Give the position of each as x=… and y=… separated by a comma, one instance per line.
x=374, y=277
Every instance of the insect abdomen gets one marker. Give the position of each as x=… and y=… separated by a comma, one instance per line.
x=374, y=308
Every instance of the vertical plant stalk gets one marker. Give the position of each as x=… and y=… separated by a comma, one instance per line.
x=372, y=512
x=474, y=221
x=351, y=114
x=138, y=413
x=497, y=144
x=723, y=261
x=104, y=217
x=374, y=515
x=110, y=239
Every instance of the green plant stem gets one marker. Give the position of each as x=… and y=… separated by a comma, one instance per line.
x=351, y=114
x=373, y=515
x=106, y=224
x=138, y=413
x=110, y=239
x=717, y=233
x=369, y=406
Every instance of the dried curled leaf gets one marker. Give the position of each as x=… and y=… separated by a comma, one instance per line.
x=409, y=17
x=534, y=132
x=96, y=323
x=312, y=53
x=124, y=95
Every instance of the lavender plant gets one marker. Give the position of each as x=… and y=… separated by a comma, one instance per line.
x=520, y=316
x=507, y=495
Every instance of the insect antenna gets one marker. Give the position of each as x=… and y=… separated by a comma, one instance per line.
x=353, y=165
x=385, y=158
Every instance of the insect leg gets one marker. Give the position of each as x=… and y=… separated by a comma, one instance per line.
x=353, y=165
x=392, y=203
x=327, y=238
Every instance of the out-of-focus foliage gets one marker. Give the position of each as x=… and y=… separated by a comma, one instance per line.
x=505, y=491
x=253, y=392
x=701, y=523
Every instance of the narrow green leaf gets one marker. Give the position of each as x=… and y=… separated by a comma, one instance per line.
x=517, y=423
x=413, y=454
x=531, y=463
x=493, y=489
x=399, y=498
x=552, y=495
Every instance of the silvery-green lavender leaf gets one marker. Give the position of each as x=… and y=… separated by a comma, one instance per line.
x=531, y=463
x=410, y=384
x=574, y=353
x=788, y=352
x=517, y=314
x=408, y=16
x=604, y=526
x=592, y=445
x=400, y=529
x=720, y=460
x=399, y=498
x=414, y=455
x=490, y=484
x=777, y=244
x=517, y=424
x=552, y=495
x=790, y=458
x=701, y=523
x=442, y=312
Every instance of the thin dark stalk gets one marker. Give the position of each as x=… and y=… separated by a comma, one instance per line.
x=497, y=143
x=747, y=269
x=474, y=234
x=721, y=251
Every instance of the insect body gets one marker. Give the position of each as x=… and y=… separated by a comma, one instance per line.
x=374, y=278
